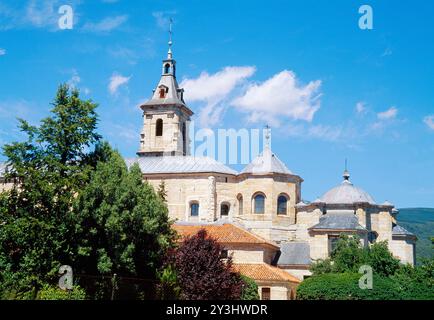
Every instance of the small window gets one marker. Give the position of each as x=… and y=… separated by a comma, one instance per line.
x=240, y=205
x=282, y=205
x=265, y=294
x=333, y=241
x=224, y=209
x=194, y=209
x=372, y=236
x=159, y=128
x=162, y=93
x=166, y=68
x=259, y=204
x=224, y=254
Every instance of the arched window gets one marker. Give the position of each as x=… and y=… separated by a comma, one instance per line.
x=282, y=205
x=259, y=204
x=159, y=128
x=166, y=68
x=240, y=204
x=224, y=209
x=194, y=209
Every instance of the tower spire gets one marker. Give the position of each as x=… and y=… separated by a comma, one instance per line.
x=169, y=52
x=346, y=173
x=267, y=136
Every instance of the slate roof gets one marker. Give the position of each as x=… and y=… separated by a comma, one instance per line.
x=173, y=95
x=338, y=221
x=266, y=162
x=226, y=233
x=264, y=272
x=179, y=164
x=400, y=231
x=294, y=253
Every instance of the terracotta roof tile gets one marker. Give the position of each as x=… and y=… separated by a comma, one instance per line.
x=264, y=272
x=224, y=233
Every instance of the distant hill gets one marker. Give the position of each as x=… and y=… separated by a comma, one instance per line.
x=419, y=221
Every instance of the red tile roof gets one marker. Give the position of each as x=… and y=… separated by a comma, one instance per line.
x=224, y=233
x=264, y=272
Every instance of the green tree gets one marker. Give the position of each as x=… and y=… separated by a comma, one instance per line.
x=122, y=225
x=168, y=287
x=249, y=289
x=348, y=255
x=381, y=259
x=48, y=169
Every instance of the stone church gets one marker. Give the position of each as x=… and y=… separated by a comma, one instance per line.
x=256, y=214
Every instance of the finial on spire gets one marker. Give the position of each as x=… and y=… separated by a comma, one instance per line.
x=267, y=136
x=169, y=53
x=346, y=173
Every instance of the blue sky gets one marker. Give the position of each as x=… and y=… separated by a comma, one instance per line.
x=329, y=90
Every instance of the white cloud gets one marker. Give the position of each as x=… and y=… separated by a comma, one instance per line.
x=213, y=89
x=361, y=107
x=391, y=113
x=280, y=97
x=429, y=121
x=75, y=80
x=116, y=81
x=2, y=52
x=105, y=25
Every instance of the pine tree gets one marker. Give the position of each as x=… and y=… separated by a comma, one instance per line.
x=49, y=168
x=122, y=225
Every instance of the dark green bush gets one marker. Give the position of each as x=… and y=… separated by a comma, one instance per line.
x=345, y=286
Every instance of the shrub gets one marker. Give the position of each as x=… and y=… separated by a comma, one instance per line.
x=55, y=293
x=168, y=287
x=345, y=286
x=249, y=289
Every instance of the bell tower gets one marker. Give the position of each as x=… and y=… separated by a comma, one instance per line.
x=166, y=117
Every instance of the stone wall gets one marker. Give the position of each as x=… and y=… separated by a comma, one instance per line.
x=249, y=254
x=172, y=139
x=404, y=250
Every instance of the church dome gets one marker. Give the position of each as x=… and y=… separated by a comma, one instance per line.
x=346, y=193
x=266, y=162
